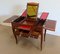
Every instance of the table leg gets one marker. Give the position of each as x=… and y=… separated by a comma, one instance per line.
x=41, y=39
x=44, y=34
x=15, y=36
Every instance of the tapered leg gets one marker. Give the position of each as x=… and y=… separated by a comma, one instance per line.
x=15, y=36
x=14, y=33
x=44, y=34
x=16, y=39
x=41, y=38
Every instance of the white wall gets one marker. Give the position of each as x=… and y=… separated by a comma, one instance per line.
x=15, y=7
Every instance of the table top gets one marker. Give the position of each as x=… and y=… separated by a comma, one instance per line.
x=49, y=24
x=11, y=19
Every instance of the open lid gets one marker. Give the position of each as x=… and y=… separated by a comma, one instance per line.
x=44, y=15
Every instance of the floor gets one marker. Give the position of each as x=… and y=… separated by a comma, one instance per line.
x=27, y=46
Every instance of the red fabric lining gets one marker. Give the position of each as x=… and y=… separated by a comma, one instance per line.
x=25, y=27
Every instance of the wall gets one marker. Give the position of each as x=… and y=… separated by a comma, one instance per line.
x=9, y=8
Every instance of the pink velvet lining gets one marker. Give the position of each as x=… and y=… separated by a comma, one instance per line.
x=24, y=13
x=44, y=15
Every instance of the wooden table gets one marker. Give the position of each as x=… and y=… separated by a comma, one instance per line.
x=49, y=24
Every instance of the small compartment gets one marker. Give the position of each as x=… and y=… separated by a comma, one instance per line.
x=19, y=19
x=35, y=34
x=25, y=33
x=40, y=21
